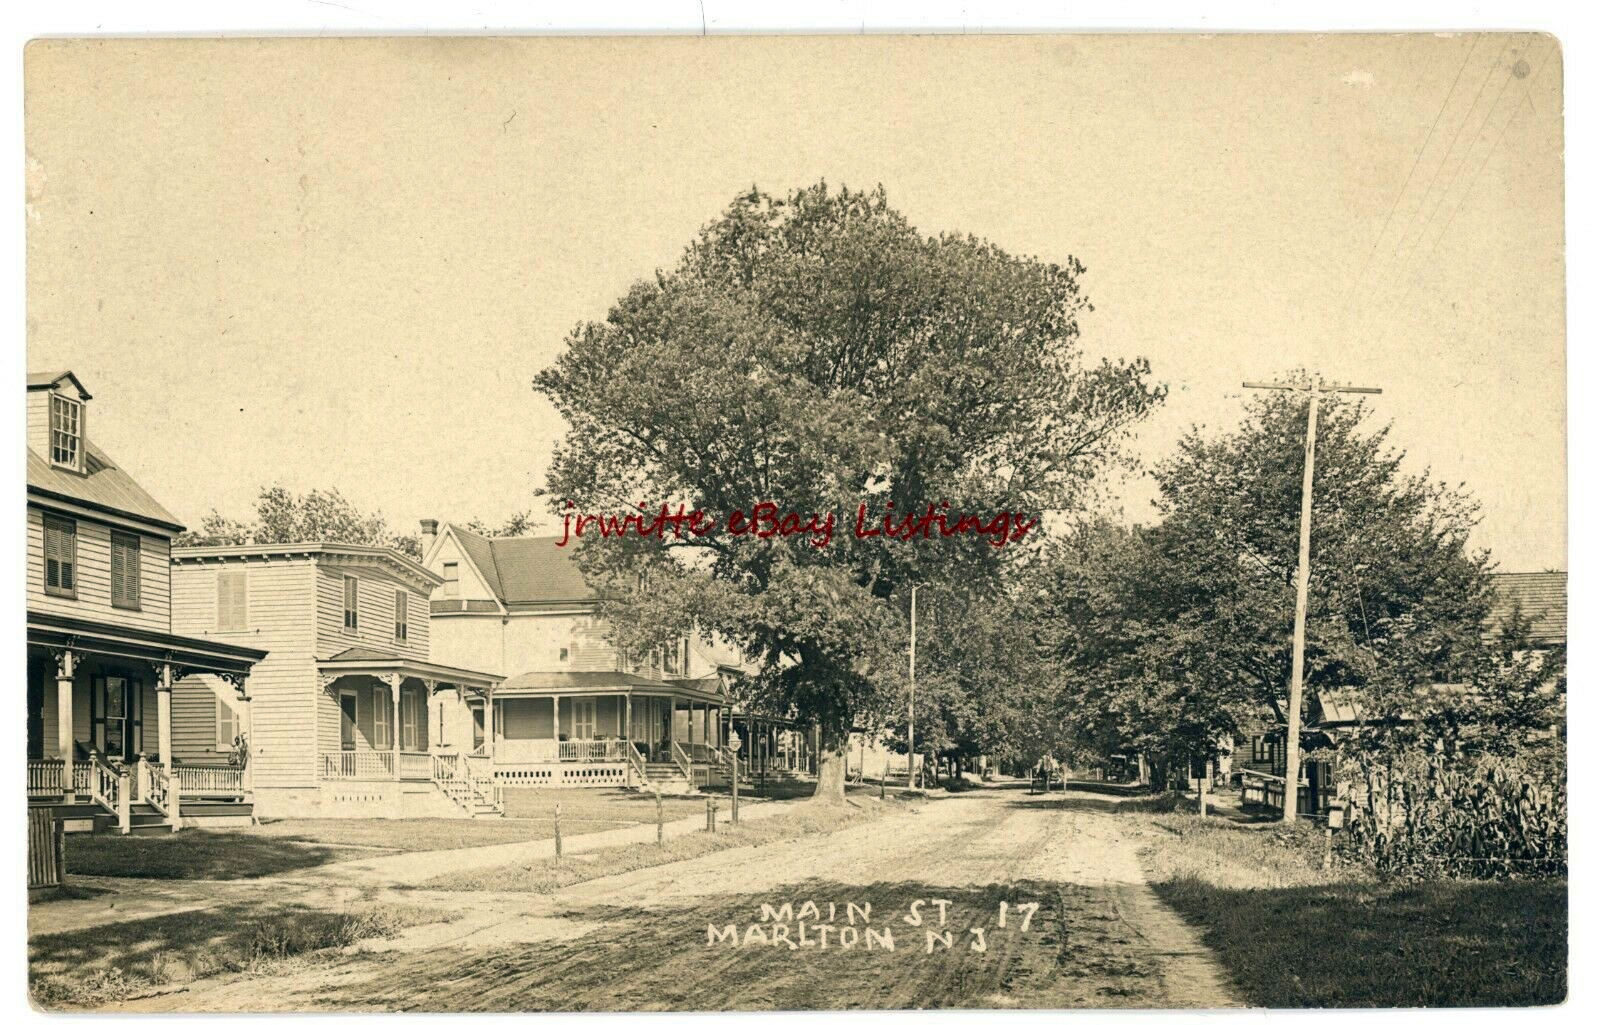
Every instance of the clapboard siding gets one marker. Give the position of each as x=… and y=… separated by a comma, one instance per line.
x=93, y=573
x=194, y=718
x=39, y=421
x=375, y=607
x=280, y=599
x=373, y=699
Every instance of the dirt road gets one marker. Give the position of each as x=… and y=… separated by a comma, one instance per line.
x=990, y=899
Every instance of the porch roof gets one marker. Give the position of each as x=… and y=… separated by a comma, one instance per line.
x=547, y=684
x=90, y=637
x=360, y=661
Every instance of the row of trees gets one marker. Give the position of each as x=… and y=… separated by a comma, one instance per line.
x=817, y=351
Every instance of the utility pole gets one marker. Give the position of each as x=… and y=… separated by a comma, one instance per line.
x=911, y=708
x=1291, y=770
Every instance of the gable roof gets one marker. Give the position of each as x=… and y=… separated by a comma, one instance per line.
x=1543, y=598
x=51, y=378
x=103, y=485
x=525, y=571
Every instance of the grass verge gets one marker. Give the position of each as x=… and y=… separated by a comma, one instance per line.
x=1291, y=934
x=546, y=875
x=89, y=967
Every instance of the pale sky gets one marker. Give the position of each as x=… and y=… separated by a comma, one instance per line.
x=341, y=262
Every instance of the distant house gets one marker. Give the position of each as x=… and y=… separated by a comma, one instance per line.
x=130, y=725
x=573, y=710
x=1542, y=598
x=347, y=720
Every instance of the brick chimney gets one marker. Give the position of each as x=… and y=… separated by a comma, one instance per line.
x=430, y=528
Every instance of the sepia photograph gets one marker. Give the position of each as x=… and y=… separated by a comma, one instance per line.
x=861, y=522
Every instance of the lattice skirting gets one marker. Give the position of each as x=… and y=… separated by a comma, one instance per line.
x=585, y=774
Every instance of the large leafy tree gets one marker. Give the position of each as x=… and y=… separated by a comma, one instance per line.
x=817, y=351
x=1183, y=631
x=281, y=516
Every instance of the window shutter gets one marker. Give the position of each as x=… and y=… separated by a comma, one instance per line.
x=60, y=553
x=232, y=602
x=124, y=570
x=401, y=608
x=350, y=619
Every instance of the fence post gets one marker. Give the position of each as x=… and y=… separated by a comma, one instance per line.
x=558, y=830
x=660, y=837
x=711, y=814
x=58, y=843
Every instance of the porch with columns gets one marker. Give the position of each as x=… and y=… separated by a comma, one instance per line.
x=379, y=719
x=91, y=745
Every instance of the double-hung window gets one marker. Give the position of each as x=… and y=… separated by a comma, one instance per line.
x=124, y=570
x=60, y=557
x=452, y=579
x=66, y=432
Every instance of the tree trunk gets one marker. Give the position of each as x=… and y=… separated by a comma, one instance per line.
x=831, y=763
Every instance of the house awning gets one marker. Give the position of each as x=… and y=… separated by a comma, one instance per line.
x=187, y=654
x=709, y=690
x=372, y=662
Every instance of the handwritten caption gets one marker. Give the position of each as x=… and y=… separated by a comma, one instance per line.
x=767, y=520
x=923, y=926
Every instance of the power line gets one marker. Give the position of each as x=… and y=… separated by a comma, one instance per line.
x=1472, y=183
x=1411, y=173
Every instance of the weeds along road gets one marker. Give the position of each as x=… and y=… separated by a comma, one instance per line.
x=1079, y=929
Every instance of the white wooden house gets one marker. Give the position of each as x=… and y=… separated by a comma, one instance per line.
x=130, y=725
x=345, y=721
x=573, y=710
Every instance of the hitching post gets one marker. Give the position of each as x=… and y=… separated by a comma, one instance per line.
x=660, y=838
x=733, y=745
x=558, y=830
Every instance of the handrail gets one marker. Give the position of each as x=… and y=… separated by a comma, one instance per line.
x=153, y=785
x=104, y=782
x=636, y=762
x=682, y=761
x=482, y=785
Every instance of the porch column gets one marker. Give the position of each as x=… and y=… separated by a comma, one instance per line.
x=245, y=720
x=394, y=680
x=488, y=723
x=555, y=720
x=66, y=669
x=627, y=718
x=672, y=723
x=164, y=716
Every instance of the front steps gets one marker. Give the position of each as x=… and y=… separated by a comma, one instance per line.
x=667, y=778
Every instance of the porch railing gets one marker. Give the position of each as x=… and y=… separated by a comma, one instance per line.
x=46, y=777
x=479, y=771
x=415, y=765
x=358, y=764
x=702, y=753
x=590, y=750
x=209, y=781
x=681, y=760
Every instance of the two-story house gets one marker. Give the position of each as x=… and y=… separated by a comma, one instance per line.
x=346, y=702
x=129, y=723
x=573, y=710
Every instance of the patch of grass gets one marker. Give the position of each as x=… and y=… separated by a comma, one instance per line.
x=547, y=875
x=612, y=805
x=89, y=967
x=1291, y=934
x=392, y=836
x=195, y=854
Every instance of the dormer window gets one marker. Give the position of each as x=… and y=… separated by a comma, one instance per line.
x=66, y=432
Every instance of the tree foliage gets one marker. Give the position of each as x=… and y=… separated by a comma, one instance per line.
x=1177, y=634
x=284, y=517
x=817, y=351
